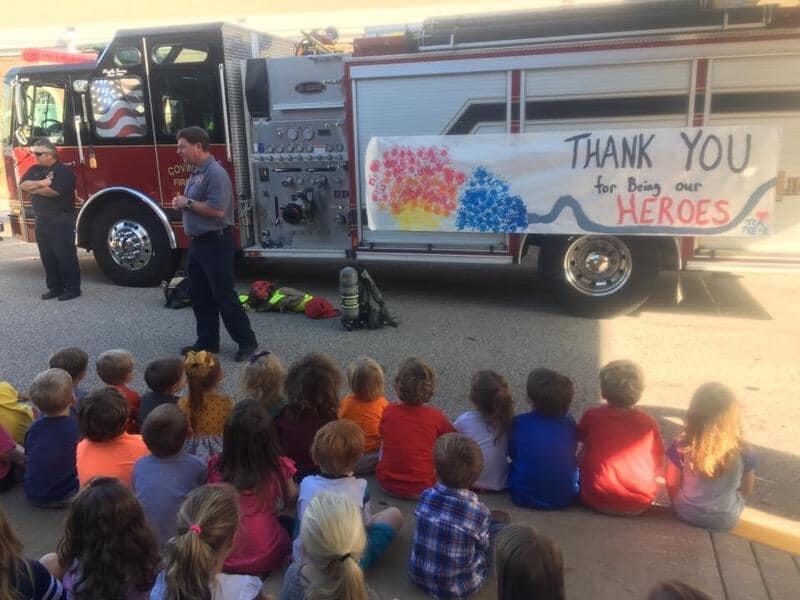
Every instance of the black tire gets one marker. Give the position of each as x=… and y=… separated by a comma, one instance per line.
x=153, y=260
x=635, y=261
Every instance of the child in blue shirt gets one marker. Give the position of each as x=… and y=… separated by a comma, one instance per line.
x=164, y=478
x=544, y=470
x=51, y=476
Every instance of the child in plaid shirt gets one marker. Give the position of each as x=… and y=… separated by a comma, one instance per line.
x=451, y=549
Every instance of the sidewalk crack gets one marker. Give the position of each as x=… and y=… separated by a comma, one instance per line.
x=719, y=566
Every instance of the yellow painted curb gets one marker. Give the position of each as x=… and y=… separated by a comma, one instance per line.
x=771, y=530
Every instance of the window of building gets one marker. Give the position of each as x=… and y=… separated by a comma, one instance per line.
x=118, y=108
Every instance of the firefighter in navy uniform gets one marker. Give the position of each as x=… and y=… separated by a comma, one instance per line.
x=51, y=186
x=207, y=205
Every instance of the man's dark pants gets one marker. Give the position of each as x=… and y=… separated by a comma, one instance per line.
x=210, y=269
x=55, y=236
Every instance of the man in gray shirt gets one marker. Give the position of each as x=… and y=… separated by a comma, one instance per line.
x=207, y=205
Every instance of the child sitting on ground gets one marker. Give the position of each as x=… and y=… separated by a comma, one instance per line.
x=107, y=550
x=206, y=409
x=262, y=380
x=106, y=448
x=75, y=362
x=710, y=470
x=450, y=552
x=333, y=540
x=207, y=524
x=364, y=406
x=337, y=448
x=312, y=387
x=115, y=368
x=489, y=426
x=51, y=476
x=409, y=431
x=20, y=577
x=622, y=448
x=544, y=469
x=528, y=565
x=252, y=462
x=12, y=461
x=162, y=480
x=166, y=378
x=15, y=416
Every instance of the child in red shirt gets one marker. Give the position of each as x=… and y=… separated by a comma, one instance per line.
x=115, y=368
x=622, y=448
x=409, y=431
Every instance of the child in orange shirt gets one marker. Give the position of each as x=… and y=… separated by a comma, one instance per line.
x=206, y=409
x=115, y=368
x=106, y=450
x=409, y=431
x=364, y=406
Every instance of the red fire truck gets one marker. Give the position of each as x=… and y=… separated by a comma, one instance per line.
x=294, y=131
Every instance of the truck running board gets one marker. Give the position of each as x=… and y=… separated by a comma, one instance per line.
x=744, y=265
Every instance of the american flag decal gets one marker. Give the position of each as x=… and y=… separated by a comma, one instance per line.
x=118, y=108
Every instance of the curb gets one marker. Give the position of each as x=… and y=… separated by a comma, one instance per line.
x=771, y=530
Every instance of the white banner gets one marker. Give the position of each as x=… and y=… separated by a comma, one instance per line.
x=697, y=181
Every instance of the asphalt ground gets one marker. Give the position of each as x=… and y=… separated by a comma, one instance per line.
x=742, y=331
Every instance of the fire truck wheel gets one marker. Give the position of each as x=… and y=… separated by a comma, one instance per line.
x=131, y=246
x=599, y=276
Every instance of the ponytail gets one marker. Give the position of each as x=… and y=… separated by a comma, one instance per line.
x=202, y=373
x=333, y=539
x=207, y=523
x=490, y=394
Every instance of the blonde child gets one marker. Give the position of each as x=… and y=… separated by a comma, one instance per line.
x=337, y=449
x=529, y=565
x=106, y=448
x=107, y=550
x=489, y=426
x=409, y=431
x=208, y=521
x=622, y=448
x=206, y=409
x=262, y=380
x=253, y=463
x=115, y=368
x=364, y=406
x=333, y=540
x=312, y=387
x=710, y=470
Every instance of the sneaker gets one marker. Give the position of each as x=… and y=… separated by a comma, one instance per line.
x=199, y=347
x=68, y=296
x=50, y=294
x=242, y=354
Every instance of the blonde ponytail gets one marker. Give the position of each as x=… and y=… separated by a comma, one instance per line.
x=207, y=523
x=333, y=539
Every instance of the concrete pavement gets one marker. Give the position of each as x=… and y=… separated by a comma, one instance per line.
x=605, y=557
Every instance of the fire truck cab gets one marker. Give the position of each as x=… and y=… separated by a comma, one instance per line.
x=114, y=122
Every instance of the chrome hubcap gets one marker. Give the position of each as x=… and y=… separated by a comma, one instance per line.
x=129, y=245
x=597, y=265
